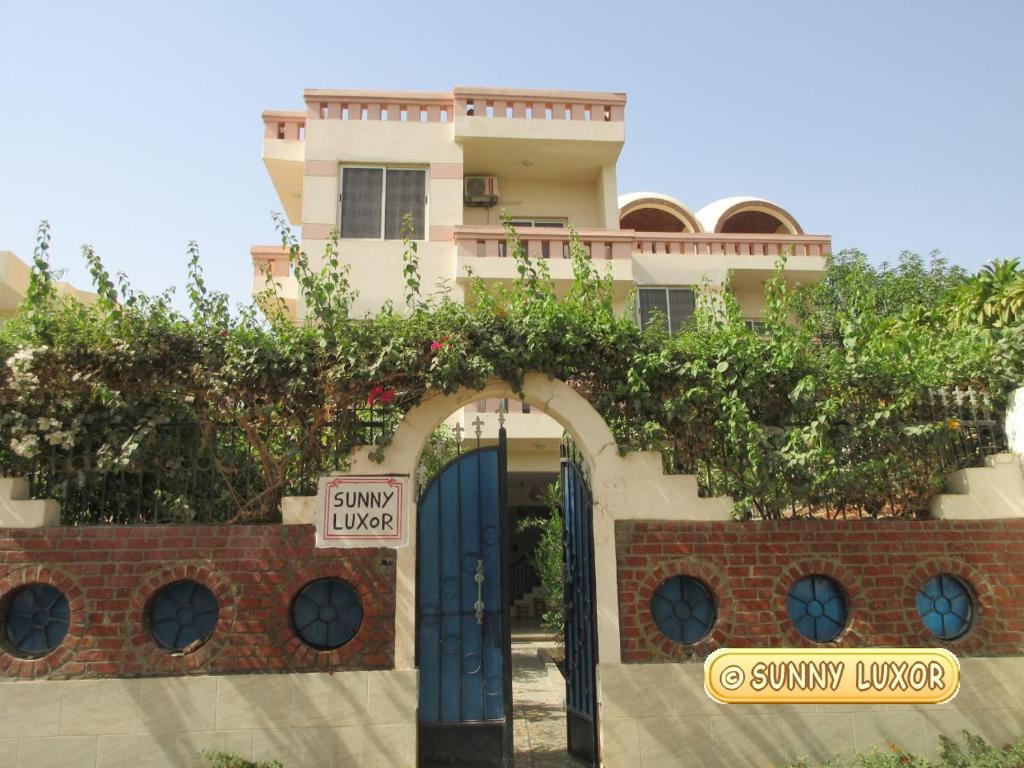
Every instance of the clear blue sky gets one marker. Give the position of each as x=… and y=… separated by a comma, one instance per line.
x=891, y=125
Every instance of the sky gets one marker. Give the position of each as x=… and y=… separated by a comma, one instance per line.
x=890, y=124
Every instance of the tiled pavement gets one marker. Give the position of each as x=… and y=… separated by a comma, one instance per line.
x=538, y=706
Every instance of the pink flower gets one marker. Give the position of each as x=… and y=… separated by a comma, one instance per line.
x=437, y=345
x=380, y=394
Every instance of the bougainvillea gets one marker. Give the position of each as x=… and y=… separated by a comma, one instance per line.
x=781, y=419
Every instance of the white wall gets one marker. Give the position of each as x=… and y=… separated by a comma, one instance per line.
x=306, y=720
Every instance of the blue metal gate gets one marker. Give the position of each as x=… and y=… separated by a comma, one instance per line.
x=580, y=622
x=462, y=627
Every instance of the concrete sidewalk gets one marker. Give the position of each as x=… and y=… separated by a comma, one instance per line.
x=538, y=700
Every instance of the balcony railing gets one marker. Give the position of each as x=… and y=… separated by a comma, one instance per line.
x=540, y=105
x=601, y=244
x=434, y=107
x=272, y=259
x=717, y=244
x=391, y=106
x=543, y=242
x=279, y=124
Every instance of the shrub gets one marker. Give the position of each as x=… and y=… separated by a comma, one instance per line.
x=134, y=411
x=228, y=760
x=973, y=752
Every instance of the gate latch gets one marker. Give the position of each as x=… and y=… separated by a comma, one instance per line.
x=479, y=579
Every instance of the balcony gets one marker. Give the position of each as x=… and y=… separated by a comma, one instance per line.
x=483, y=252
x=507, y=113
x=284, y=155
x=644, y=257
x=271, y=262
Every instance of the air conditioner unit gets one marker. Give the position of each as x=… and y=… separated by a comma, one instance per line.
x=480, y=190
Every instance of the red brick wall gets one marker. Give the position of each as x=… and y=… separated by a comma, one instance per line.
x=110, y=575
x=879, y=565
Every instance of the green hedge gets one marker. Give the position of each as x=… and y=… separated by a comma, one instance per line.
x=822, y=416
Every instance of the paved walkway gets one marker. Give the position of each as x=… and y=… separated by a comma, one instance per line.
x=539, y=708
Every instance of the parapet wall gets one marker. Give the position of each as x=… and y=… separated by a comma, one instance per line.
x=110, y=576
x=878, y=565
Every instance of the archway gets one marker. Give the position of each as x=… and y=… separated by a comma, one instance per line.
x=462, y=630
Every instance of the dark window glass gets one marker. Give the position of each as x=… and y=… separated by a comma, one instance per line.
x=671, y=306
x=36, y=620
x=361, y=195
x=945, y=606
x=183, y=614
x=680, y=307
x=326, y=614
x=406, y=193
x=684, y=609
x=653, y=306
x=817, y=608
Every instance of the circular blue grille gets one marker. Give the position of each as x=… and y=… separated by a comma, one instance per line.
x=326, y=613
x=37, y=620
x=683, y=609
x=182, y=614
x=816, y=607
x=945, y=606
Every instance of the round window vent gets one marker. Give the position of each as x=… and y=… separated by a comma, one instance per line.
x=326, y=613
x=183, y=615
x=683, y=609
x=946, y=607
x=36, y=620
x=817, y=608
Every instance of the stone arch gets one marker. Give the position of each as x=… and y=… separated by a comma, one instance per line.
x=545, y=393
x=625, y=486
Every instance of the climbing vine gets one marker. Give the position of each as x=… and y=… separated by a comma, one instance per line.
x=131, y=410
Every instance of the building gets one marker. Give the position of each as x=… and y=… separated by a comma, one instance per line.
x=144, y=644
x=358, y=160
x=14, y=279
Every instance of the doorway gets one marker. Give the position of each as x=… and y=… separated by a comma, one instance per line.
x=466, y=573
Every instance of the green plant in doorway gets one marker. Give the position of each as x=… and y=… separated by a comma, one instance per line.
x=548, y=559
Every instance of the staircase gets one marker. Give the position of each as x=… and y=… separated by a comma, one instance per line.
x=529, y=605
x=992, y=491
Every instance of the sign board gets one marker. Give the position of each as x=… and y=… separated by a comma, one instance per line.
x=362, y=511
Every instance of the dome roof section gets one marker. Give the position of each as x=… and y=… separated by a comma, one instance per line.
x=655, y=212
x=748, y=215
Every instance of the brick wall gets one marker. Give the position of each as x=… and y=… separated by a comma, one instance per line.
x=879, y=565
x=110, y=575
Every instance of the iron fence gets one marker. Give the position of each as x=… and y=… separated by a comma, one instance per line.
x=192, y=472
x=893, y=474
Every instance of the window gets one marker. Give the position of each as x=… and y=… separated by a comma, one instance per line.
x=757, y=326
x=374, y=201
x=36, y=620
x=945, y=606
x=817, y=607
x=555, y=223
x=327, y=613
x=182, y=614
x=672, y=305
x=684, y=609
x=518, y=224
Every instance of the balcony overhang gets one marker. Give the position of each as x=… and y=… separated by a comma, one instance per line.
x=651, y=258
x=284, y=155
x=272, y=271
x=481, y=251
x=536, y=134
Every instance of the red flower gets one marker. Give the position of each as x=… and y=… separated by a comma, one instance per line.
x=436, y=345
x=380, y=394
